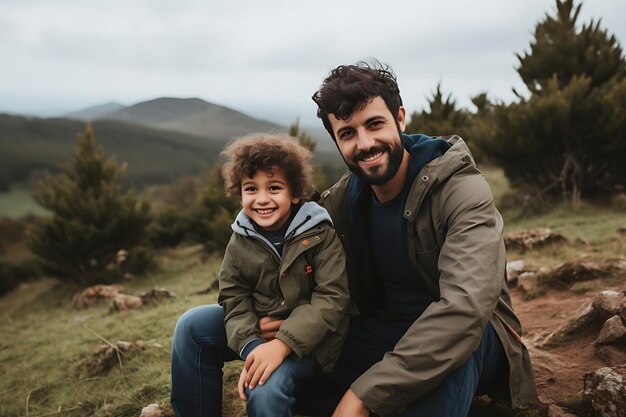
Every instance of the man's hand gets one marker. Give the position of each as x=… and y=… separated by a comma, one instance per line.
x=269, y=327
x=261, y=363
x=351, y=406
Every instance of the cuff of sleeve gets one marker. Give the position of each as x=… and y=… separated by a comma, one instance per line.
x=248, y=347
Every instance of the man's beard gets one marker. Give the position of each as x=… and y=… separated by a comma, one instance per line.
x=378, y=175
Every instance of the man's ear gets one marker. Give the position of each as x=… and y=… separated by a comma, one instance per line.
x=402, y=118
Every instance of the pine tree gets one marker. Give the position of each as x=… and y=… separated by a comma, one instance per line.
x=445, y=118
x=308, y=142
x=569, y=136
x=96, y=227
x=302, y=137
x=442, y=119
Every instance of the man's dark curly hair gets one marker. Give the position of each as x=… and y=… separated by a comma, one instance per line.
x=349, y=88
x=255, y=152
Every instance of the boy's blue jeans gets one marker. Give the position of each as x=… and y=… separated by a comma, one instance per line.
x=199, y=351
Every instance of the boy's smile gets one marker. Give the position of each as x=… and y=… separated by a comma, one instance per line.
x=266, y=198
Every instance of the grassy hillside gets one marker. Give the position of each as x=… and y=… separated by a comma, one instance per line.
x=43, y=340
x=28, y=145
x=193, y=116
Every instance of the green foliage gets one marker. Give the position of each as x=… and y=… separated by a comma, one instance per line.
x=212, y=216
x=445, y=118
x=12, y=275
x=93, y=218
x=303, y=137
x=563, y=52
x=569, y=136
x=169, y=228
x=319, y=171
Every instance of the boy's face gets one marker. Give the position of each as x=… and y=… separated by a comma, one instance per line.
x=266, y=198
x=369, y=141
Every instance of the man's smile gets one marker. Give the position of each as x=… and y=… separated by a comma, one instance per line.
x=372, y=155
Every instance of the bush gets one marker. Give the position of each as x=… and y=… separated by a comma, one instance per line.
x=567, y=138
x=94, y=220
x=13, y=275
x=169, y=228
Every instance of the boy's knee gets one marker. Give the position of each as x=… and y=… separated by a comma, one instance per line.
x=267, y=396
x=201, y=320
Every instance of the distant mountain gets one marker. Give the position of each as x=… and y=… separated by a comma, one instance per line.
x=94, y=112
x=190, y=115
x=32, y=145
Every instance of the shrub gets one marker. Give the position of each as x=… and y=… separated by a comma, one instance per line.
x=94, y=220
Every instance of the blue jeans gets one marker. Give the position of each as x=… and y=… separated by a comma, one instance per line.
x=276, y=397
x=199, y=352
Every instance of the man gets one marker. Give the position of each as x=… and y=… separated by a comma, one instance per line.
x=433, y=324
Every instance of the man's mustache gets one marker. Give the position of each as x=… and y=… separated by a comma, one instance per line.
x=360, y=155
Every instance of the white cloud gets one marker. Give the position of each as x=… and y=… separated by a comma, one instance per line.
x=265, y=58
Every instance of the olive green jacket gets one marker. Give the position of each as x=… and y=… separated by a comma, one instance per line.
x=455, y=243
x=307, y=286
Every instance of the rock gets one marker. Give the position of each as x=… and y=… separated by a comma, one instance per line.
x=607, y=303
x=95, y=293
x=533, y=238
x=108, y=356
x=556, y=411
x=611, y=355
x=604, y=391
x=621, y=230
x=155, y=295
x=514, y=269
x=613, y=331
x=529, y=283
x=152, y=410
x=123, y=302
x=584, y=318
x=622, y=310
x=157, y=410
x=575, y=271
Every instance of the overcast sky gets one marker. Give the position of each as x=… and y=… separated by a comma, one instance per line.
x=264, y=58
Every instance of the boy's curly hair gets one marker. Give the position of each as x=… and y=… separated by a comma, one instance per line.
x=263, y=152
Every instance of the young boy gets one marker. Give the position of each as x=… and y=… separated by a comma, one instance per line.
x=283, y=260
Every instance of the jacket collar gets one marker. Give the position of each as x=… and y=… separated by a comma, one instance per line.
x=308, y=216
x=423, y=150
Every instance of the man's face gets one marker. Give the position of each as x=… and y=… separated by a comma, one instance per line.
x=370, y=142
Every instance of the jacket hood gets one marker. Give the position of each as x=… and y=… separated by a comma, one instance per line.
x=308, y=216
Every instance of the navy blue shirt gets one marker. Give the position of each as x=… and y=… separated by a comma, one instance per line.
x=404, y=296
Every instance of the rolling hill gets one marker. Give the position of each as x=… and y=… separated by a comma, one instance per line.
x=188, y=115
x=31, y=145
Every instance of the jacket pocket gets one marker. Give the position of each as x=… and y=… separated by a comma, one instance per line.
x=427, y=265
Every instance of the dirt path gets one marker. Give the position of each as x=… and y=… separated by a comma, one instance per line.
x=559, y=370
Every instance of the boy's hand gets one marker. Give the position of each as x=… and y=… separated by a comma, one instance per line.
x=261, y=363
x=269, y=327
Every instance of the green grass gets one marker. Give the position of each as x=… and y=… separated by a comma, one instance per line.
x=19, y=202
x=43, y=340
x=497, y=181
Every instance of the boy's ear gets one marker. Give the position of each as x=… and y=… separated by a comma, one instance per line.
x=295, y=200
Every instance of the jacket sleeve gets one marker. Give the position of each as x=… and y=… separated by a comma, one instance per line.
x=235, y=296
x=308, y=324
x=470, y=265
